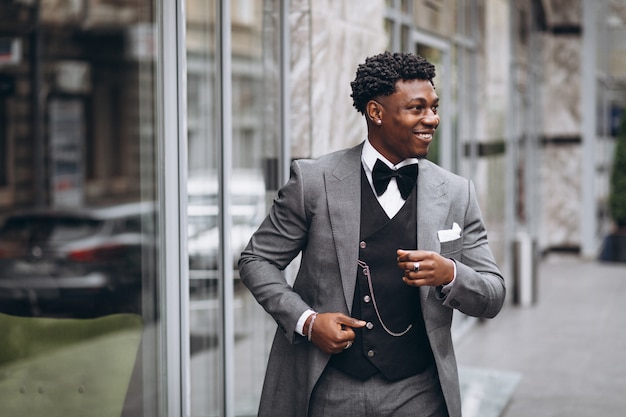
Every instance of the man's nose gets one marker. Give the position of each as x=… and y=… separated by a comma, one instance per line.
x=431, y=120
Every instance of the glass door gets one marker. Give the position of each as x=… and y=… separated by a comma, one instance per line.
x=234, y=95
x=437, y=51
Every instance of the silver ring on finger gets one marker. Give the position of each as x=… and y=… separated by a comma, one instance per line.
x=348, y=345
x=416, y=266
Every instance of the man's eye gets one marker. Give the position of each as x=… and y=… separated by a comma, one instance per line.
x=435, y=109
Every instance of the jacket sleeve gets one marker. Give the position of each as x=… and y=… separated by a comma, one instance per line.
x=478, y=289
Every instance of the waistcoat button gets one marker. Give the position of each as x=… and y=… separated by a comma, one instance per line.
x=370, y=353
x=362, y=245
x=367, y=299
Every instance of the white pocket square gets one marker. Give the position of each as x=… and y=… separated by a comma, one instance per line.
x=449, y=234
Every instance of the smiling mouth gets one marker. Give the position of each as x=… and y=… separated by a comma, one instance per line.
x=424, y=136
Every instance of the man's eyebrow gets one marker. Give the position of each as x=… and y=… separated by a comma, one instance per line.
x=422, y=100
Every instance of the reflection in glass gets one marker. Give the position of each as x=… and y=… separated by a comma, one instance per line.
x=255, y=142
x=80, y=222
x=77, y=180
x=74, y=263
x=256, y=150
x=434, y=56
x=203, y=210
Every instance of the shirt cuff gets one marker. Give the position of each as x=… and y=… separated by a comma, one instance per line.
x=446, y=288
x=302, y=320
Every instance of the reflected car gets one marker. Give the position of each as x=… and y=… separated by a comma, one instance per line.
x=83, y=262
x=204, y=243
x=247, y=209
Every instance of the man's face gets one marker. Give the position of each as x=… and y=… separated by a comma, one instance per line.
x=406, y=123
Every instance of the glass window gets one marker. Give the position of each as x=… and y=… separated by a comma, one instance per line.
x=77, y=124
x=405, y=32
x=253, y=138
x=203, y=209
x=406, y=6
x=389, y=25
x=256, y=151
x=434, y=56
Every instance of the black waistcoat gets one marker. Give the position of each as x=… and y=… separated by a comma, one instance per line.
x=374, y=349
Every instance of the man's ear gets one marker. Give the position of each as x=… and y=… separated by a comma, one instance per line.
x=374, y=112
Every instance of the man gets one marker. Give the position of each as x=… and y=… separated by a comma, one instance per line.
x=387, y=255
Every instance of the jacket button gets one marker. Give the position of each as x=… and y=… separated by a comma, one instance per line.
x=367, y=299
x=369, y=325
x=362, y=245
x=370, y=353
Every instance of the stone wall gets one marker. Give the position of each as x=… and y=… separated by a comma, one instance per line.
x=560, y=168
x=560, y=196
x=329, y=40
x=562, y=86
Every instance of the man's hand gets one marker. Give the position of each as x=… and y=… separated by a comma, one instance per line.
x=332, y=332
x=434, y=269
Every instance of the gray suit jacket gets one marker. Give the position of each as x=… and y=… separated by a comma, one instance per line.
x=317, y=213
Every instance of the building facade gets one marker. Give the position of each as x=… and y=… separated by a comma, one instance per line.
x=181, y=118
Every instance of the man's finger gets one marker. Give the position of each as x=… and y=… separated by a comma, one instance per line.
x=402, y=255
x=351, y=322
x=414, y=282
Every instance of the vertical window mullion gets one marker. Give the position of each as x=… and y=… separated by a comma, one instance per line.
x=284, y=92
x=226, y=296
x=171, y=146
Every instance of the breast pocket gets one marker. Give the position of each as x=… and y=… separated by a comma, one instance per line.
x=452, y=248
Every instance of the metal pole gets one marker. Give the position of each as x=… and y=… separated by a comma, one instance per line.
x=510, y=133
x=588, y=56
x=171, y=218
x=227, y=341
x=285, y=91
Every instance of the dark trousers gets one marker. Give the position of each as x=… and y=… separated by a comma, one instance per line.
x=338, y=394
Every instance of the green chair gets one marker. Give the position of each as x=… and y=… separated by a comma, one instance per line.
x=59, y=367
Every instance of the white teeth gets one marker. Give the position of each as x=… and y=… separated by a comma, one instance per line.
x=424, y=135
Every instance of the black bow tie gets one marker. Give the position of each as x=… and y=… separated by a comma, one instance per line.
x=405, y=177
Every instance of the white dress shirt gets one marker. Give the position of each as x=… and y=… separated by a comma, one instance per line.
x=391, y=201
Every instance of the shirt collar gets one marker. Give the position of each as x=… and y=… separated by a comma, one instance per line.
x=369, y=156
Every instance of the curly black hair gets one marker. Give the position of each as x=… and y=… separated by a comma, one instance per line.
x=380, y=73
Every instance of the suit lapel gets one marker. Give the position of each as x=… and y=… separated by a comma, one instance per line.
x=343, y=188
x=432, y=210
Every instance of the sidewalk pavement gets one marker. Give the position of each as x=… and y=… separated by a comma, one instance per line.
x=564, y=356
